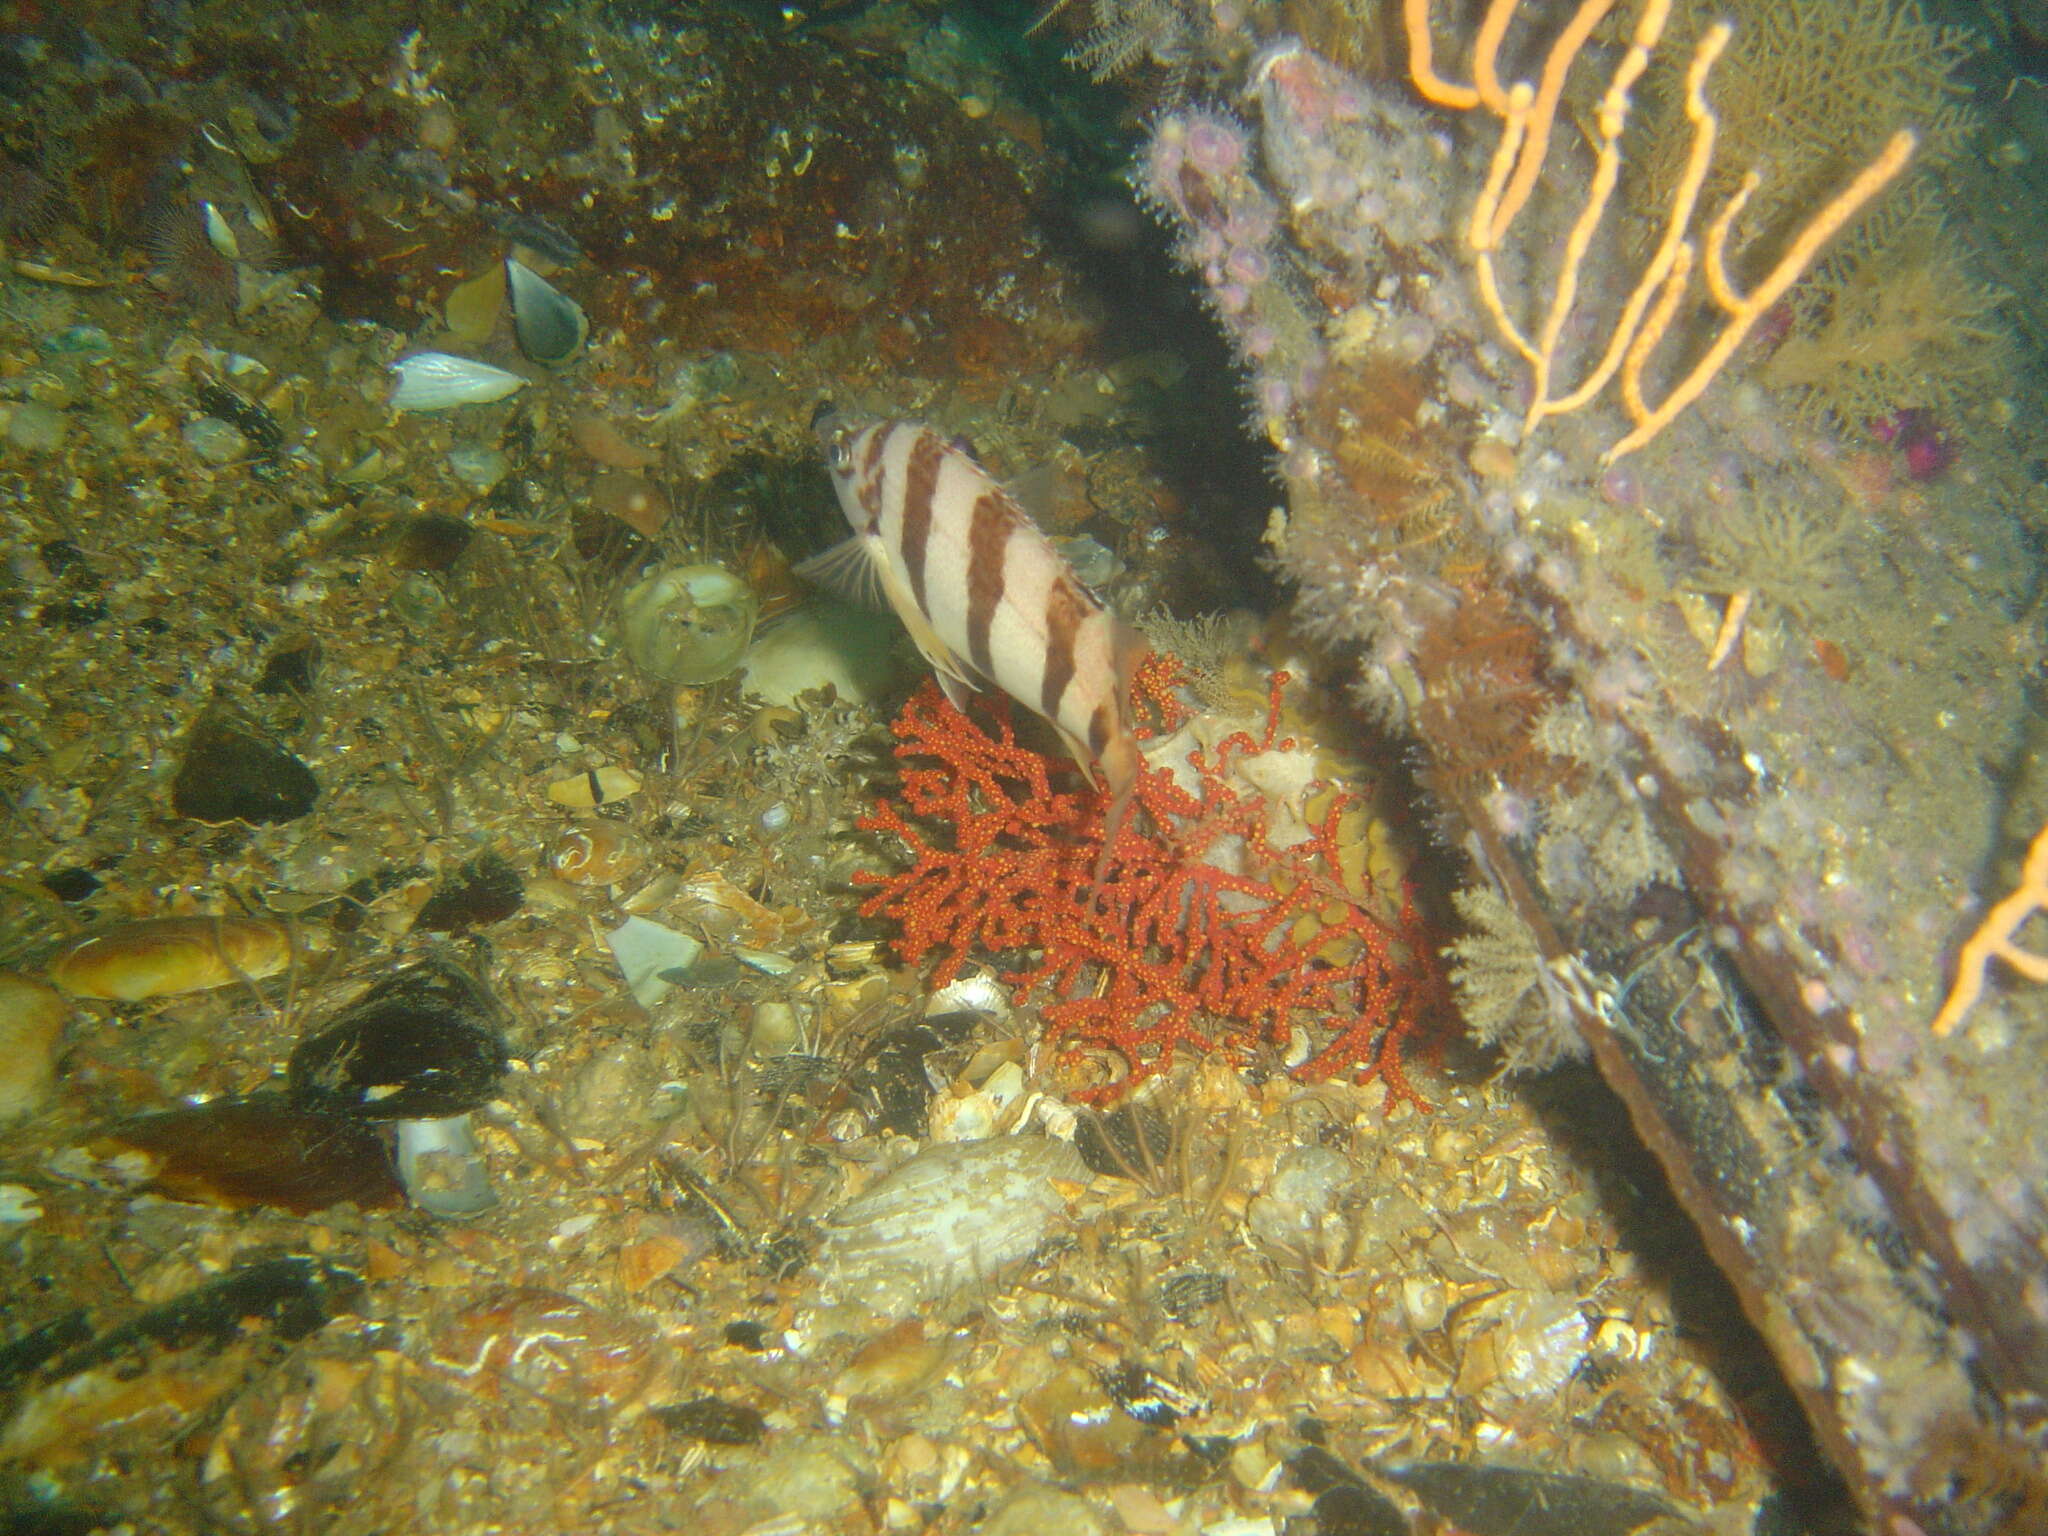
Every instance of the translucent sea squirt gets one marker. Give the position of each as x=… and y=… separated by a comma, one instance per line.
x=689, y=624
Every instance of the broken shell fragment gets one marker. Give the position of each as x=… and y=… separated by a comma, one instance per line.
x=605, y=443
x=724, y=911
x=440, y=381
x=418, y=1045
x=441, y=1167
x=164, y=956
x=952, y=1216
x=472, y=306
x=594, y=787
x=550, y=325
x=651, y=957
x=640, y=504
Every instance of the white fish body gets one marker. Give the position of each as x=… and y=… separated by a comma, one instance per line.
x=983, y=592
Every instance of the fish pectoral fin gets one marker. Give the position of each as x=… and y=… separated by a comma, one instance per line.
x=849, y=570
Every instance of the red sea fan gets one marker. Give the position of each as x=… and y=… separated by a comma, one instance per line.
x=1202, y=936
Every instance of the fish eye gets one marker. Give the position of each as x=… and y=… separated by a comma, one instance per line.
x=839, y=452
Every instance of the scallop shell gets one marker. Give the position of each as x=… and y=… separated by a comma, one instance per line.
x=597, y=853
x=950, y=1217
x=440, y=381
x=970, y=994
x=161, y=956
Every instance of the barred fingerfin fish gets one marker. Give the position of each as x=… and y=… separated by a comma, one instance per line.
x=982, y=591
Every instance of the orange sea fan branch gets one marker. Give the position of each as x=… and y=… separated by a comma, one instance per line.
x=1994, y=939
x=1526, y=113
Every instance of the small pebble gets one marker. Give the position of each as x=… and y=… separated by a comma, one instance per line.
x=478, y=468
x=216, y=441
x=37, y=428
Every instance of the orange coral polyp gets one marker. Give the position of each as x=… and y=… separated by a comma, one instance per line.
x=1177, y=950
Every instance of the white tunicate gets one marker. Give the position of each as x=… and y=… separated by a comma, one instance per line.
x=440, y=381
x=688, y=624
x=1302, y=1191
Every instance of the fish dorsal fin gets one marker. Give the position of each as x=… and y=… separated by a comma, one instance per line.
x=1036, y=491
x=850, y=569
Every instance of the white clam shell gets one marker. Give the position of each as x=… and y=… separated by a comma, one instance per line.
x=440, y=381
x=442, y=1168
x=970, y=994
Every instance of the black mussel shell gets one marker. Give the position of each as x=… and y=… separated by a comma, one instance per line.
x=292, y=668
x=292, y=1296
x=1352, y=1509
x=713, y=1420
x=1515, y=1501
x=261, y=1151
x=432, y=541
x=1132, y=1141
x=1147, y=1396
x=485, y=889
x=418, y=1046
x=550, y=325
x=230, y=772
x=1191, y=1290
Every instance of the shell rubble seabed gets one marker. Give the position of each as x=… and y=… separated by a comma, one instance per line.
x=688, y=1221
